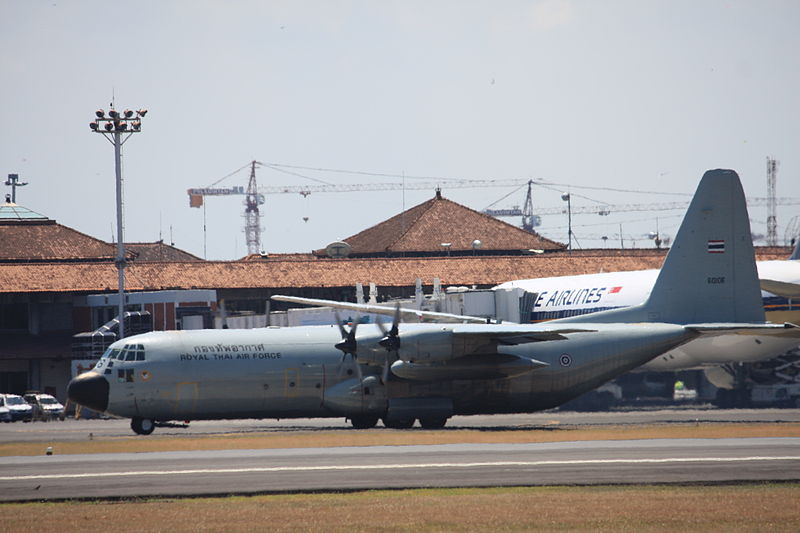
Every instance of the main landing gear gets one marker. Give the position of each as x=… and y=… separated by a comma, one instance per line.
x=364, y=421
x=369, y=421
x=142, y=426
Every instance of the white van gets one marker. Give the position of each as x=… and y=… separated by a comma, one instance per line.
x=18, y=408
x=44, y=406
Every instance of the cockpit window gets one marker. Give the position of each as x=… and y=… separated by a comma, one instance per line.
x=110, y=354
x=134, y=352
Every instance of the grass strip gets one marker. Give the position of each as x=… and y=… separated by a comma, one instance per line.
x=745, y=507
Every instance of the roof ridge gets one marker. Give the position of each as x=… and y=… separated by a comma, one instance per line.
x=428, y=205
x=418, y=211
x=497, y=220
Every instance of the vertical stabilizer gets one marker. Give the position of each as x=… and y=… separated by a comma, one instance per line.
x=709, y=274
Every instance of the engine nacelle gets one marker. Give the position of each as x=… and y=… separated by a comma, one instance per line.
x=353, y=398
x=427, y=346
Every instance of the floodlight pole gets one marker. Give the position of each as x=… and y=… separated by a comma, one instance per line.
x=120, y=261
x=112, y=128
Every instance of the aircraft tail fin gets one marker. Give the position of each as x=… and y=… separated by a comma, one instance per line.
x=709, y=274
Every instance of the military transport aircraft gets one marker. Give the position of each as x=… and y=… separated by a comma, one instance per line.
x=430, y=372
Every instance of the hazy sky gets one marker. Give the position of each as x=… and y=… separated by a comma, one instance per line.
x=637, y=94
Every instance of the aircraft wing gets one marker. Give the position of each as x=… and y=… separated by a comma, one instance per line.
x=515, y=334
x=406, y=315
x=780, y=288
x=470, y=351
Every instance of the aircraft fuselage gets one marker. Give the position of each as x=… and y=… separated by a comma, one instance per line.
x=297, y=372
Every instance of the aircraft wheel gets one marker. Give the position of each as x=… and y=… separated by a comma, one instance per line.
x=398, y=423
x=433, y=422
x=142, y=426
x=364, y=421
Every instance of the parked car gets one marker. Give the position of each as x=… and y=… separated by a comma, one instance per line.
x=45, y=407
x=18, y=408
x=5, y=414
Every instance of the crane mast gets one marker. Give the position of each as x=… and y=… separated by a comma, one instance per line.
x=252, y=222
x=772, y=219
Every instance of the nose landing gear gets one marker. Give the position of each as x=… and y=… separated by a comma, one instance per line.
x=142, y=426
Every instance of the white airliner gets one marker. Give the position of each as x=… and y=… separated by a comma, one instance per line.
x=571, y=296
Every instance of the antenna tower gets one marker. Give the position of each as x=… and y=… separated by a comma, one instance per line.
x=772, y=219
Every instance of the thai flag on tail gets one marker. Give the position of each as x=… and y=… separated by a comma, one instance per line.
x=716, y=247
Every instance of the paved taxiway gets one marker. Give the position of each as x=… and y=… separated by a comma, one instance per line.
x=251, y=471
x=79, y=430
x=372, y=467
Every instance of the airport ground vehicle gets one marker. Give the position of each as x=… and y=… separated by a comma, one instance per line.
x=18, y=408
x=45, y=407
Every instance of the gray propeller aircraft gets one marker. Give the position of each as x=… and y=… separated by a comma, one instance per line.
x=431, y=371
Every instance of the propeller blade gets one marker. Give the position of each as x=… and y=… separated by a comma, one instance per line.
x=381, y=326
x=339, y=323
x=348, y=345
x=358, y=370
x=396, y=320
x=385, y=373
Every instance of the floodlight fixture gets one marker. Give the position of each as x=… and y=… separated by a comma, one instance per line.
x=100, y=113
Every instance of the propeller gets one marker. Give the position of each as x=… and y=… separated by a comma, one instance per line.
x=390, y=340
x=348, y=344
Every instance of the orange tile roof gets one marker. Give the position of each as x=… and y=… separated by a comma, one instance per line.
x=45, y=240
x=298, y=272
x=423, y=229
x=158, y=251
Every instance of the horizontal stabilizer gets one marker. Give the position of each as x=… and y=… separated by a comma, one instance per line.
x=773, y=330
x=406, y=315
x=780, y=288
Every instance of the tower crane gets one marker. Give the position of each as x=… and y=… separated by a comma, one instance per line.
x=529, y=220
x=252, y=216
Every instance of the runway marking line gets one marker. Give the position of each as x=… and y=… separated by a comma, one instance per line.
x=576, y=462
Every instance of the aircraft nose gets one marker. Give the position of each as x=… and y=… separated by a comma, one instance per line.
x=90, y=389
